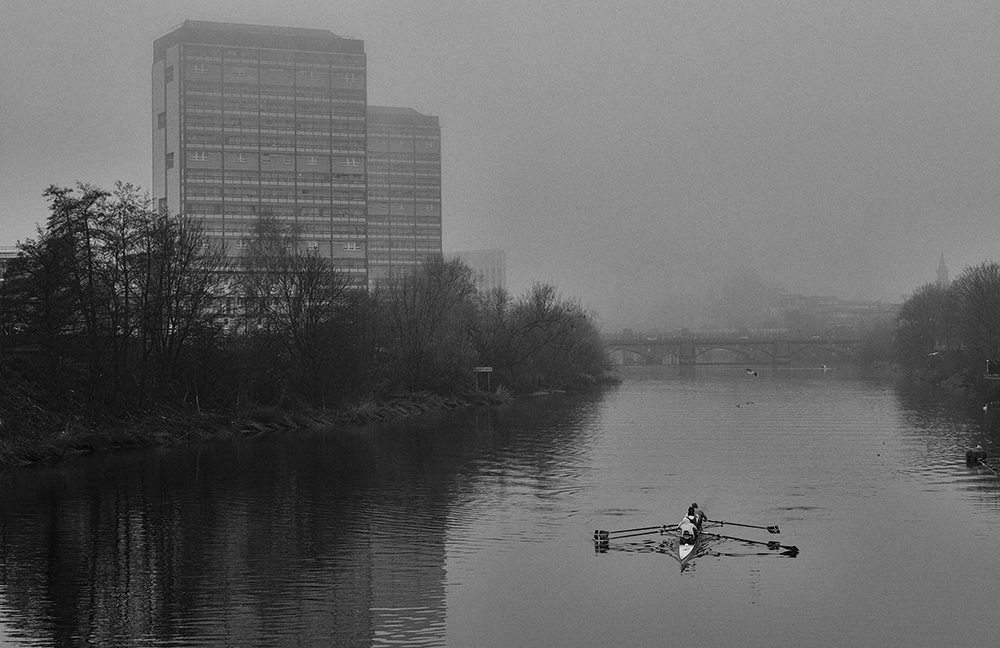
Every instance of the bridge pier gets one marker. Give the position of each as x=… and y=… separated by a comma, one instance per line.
x=687, y=353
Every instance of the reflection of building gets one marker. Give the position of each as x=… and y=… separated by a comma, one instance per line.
x=404, y=189
x=251, y=120
x=489, y=265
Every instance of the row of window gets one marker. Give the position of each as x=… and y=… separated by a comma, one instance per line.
x=336, y=106
x=301, y=122
x=270, y=158
x=273, y=176
x=268, y=56
x=310, y=246
x=247, y=71
x=305, y=95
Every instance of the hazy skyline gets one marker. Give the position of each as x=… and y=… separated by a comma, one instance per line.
x=620, y=150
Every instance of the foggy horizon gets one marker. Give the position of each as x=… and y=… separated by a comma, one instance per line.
x=623, y=152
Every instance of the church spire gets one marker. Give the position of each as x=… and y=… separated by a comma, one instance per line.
x=942, y=273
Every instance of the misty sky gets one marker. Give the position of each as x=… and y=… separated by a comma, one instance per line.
x=621, y=150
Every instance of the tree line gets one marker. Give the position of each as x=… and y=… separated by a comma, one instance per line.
x=115, y=307
x=951, y=331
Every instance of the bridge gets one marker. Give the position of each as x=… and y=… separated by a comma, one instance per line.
x=685, y=347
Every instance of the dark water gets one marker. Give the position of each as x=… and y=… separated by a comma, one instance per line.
x=475, y=528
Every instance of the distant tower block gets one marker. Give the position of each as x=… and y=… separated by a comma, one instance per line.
x=942, y=273
x=489, y=266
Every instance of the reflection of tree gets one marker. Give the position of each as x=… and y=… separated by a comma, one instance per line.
x=323, y=538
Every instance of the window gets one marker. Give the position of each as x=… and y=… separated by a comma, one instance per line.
x=241, y=157
x=199, y=156
x=352, y=246
x=161, y=204
x=168, y=74
x=310, y=75
x=161, y=120
x=313, y=246
x=198, y=68
x=351, y=76
x=265, y=159
x=288, y=159
x=170, y=160
x=241, y=71
x=352, y=161
x=311, y=160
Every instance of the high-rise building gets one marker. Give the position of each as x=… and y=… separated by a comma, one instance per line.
x=251, y=120
x=404, y=190
x=490, y=267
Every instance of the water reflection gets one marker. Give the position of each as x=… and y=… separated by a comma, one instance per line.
x=941, y=425
x=473, y=528
x=336, y=538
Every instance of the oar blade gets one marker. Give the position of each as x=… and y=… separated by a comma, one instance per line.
x=773, y=529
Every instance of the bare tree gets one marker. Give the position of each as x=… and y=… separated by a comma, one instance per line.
x=926, y=324
x=540, y=339
x=299, y=300
x=179, y=283
x=423, y=321
x=977, y=294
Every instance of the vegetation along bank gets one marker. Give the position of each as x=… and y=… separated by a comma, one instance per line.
x=122, y=326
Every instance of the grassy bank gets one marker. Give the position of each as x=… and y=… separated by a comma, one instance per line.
x=31, y=435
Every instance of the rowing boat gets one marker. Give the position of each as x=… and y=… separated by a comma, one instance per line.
x=687, y=547
x=688, y=536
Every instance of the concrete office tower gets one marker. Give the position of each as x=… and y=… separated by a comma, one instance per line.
x=490, y=267
x=251, y=120
x=404, y=190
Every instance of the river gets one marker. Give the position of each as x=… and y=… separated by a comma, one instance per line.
x=475, y=528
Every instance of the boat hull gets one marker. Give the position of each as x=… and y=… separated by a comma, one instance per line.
x=686, y=551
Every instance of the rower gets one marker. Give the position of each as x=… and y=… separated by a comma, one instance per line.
x=688, y=527
x=699, y=515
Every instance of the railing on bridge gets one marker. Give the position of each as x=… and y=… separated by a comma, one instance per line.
x=629, y=335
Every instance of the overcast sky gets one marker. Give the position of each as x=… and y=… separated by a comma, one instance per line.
x=621, y=150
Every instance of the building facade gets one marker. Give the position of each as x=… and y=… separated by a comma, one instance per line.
x=490, y=267
x=251, y=120
x=404, y=190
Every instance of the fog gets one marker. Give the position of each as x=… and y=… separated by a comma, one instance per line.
x=624, y=151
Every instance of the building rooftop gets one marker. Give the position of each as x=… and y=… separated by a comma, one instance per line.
x=264, y=36
x=399, y=115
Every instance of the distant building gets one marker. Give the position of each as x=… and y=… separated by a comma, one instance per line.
x=489, y=265
x=250, y=120
x=942, y=274
x=7, y=252
x=831, y=315
x=404, y=190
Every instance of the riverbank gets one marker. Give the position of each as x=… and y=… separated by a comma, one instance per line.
x=59, y=440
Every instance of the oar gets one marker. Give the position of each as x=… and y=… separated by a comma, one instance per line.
x=600, y=534
x=770, y=529
x=773, y=544
x=657, y=527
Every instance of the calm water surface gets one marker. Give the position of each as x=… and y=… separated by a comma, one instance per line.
x=475, y=528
